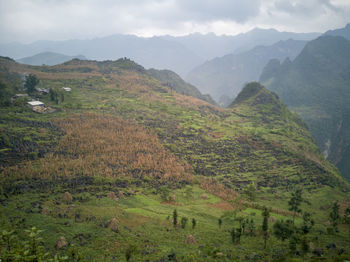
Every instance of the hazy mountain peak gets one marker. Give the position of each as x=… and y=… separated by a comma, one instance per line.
x=48, y=58
x=344, y=32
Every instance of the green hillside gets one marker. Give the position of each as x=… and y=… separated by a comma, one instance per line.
x=175, y=82
x=123, y=151
x=316, y=86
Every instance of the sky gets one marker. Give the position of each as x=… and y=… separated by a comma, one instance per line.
x=27, y=21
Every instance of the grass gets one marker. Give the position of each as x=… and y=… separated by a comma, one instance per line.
x=145, y=220
x=125, y=132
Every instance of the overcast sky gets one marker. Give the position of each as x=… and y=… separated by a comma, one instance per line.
x=31, y=20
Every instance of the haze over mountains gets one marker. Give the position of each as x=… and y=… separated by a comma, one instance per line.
x=48, y=58
x=179, y=54
x=224, y=77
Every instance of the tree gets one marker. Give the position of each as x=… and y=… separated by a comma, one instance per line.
x=30, y=83
x=251, y=228
x=164, y=193
x=5, y=95
x=265, y=225
x=233, y=235
x=184, y=222
x=193, y=223
x=283, y=229
x=308, y=223
x=294, y=202
x=175, y=217
x=304, y=245
x=347, y=215
x=238, y=234
x=219, y=222
x=53, y=95
x=334, y=216
x=250, y=191
x=293, y=241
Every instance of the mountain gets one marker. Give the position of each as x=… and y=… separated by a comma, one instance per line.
x=225, y=76
x=174, y=81
x=316, y=85
x=104, y=168
x=212, y=46
x=179, y=54
x=344, y=32
x=151, y=52
x=48, y=58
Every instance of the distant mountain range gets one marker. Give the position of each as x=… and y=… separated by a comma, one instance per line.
x=179, y=54
x=224, y=77
x=344, y=32
x=210, y=45
x=316, y=85
x=48, y=58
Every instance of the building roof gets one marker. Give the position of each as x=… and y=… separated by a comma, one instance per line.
x=20, y=95
x=42, y=90
x=67, y=88
x=36, y=103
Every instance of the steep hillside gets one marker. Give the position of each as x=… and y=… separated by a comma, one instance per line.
x=127, y=150
x=225, y=76
x=175, y=82
x=48, y=58
x=316, y=85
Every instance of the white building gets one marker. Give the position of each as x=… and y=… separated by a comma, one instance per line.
x=35, y=103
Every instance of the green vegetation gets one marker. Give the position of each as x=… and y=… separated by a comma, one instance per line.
x=175, y=82
x=316, y=86
x=30, y=83
x=294, y=202
x=122, y=164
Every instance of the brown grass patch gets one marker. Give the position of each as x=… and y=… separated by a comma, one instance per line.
x=222, y=205
x=106, y=146
x=219, y=190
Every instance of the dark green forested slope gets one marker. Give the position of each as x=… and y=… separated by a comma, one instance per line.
x=317, y=86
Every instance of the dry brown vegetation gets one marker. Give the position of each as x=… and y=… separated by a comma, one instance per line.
x=217, y=189
x=106, y=146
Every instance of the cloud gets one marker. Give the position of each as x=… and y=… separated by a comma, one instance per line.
x=207, y=10
x=30, y=20
x=305, y=8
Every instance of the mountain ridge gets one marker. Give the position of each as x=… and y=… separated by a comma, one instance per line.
x=315, y=85
x=225, y=76
x=179, y=54
x=48, y=58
